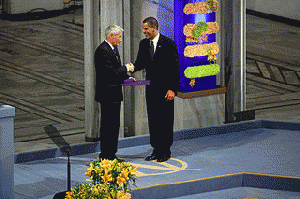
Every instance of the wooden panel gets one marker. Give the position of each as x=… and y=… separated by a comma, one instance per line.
x=219, y=90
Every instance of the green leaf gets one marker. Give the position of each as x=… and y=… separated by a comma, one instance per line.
x=200, y=28
x=202, y=71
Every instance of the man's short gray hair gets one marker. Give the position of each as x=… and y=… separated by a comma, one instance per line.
x=113, y=29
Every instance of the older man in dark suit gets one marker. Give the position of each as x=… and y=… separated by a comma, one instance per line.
x=110, y=74
x=159, y=56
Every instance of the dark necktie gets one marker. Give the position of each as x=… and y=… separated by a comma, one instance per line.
x=151, y=49
x=116, y=53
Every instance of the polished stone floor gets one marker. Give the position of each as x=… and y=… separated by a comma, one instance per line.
x=251, y=159
x=42, y=75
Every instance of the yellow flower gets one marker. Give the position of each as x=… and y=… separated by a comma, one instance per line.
x=81, y=190
x=121, y=181
x=124, y=174
x=127, y=196
x=68, y=194
x=114, y=163
x=104, y=171
x=132, y=170
x=105, y=167
x=107, y=178
x=97, y=170
x=88, y=180
x=95, y=191
x=122, y=195
x=127, y=164
x=107, y=195
x=192, y=83
x=89, y=172
x=104, y=162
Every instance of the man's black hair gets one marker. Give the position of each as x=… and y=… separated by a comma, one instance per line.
x=152, y=22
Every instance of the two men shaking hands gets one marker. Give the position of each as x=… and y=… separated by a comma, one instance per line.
x=158, y=55
x=130, y=68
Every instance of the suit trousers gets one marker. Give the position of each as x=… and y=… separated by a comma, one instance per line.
x=109, y=129
x=161, y=121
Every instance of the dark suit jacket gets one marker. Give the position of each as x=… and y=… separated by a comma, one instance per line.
x=110, y=74
x=163, y=71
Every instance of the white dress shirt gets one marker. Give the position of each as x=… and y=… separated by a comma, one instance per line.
x=110, y=45
x=155, y=41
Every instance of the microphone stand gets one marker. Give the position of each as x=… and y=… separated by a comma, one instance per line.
x=53, y=133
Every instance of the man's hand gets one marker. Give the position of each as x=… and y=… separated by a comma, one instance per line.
x=170, y=95
x=130, y=67
x=132, y=78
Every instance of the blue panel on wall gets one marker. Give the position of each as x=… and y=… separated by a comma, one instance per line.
x=180, y=20
x=165, y=17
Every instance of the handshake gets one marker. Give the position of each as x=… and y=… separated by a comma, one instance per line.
x=130, y=67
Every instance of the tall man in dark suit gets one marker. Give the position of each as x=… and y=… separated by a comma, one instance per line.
x=110, y=74
x=159, y=56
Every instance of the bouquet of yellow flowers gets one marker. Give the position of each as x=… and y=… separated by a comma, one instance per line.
x=109, y=179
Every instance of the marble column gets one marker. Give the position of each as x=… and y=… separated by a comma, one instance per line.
x=117, y=12
x=91, y=41
x=233, y=36
x=111, y=12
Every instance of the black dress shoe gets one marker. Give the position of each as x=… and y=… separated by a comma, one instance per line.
x=163, y=158
x=151, y=157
